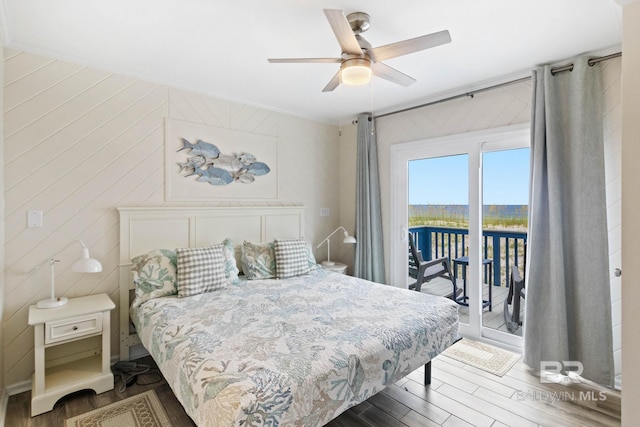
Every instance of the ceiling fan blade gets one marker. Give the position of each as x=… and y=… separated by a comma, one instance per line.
x=333, y=83
x=404, y=47
x=342, y=30
x=388, y=73
x=305, y=60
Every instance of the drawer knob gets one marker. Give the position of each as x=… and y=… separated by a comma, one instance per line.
x=75, y=328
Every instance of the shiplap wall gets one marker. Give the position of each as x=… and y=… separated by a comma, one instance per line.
x=348, y=157
x=502, y=107
x=79, y=142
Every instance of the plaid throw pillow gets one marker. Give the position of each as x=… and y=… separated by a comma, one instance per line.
x=200, y=270
x=292, y=258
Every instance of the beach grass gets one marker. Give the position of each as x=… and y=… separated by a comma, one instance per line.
x=495, y=217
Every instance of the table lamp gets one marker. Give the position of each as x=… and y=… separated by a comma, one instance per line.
x=85, y=264
x=347, y=239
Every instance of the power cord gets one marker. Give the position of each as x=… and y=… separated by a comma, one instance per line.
x=129, y=373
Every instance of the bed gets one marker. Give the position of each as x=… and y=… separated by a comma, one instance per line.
x=298, y=350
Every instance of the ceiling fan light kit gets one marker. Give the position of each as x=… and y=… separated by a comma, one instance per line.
x=358, y=60
x=356, y=71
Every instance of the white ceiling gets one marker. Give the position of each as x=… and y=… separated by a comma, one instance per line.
x=220, y=47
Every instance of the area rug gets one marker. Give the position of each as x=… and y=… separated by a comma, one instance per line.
x=141, y=410
x=482, y=356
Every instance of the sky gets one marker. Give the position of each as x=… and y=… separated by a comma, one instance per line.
x=445, y=180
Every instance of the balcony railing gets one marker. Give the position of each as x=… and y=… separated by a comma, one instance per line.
x=505, y=248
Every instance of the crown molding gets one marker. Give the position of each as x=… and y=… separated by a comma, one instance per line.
x=626, y=2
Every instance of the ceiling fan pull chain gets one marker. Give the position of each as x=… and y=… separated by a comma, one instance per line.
x=340, y=107
x=373, y=123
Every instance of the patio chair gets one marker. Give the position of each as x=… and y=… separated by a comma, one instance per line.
x=514, y=298
x=424, y=271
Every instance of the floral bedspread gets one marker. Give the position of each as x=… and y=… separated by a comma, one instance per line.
x=294, y=352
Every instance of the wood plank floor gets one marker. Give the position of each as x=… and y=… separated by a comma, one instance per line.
x=460, y=395
x=19, y=406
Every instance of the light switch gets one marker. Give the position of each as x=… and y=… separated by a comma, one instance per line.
x=34, y=219
x=324, y=211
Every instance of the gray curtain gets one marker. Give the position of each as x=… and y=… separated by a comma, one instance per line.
x=568, y=303
x=369, y=257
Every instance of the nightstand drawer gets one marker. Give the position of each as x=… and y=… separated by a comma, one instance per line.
x=62, y=330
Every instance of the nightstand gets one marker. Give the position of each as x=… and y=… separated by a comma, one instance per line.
x=62, y=331
x=337, y=267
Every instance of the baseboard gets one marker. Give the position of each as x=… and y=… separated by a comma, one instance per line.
x=18, y=388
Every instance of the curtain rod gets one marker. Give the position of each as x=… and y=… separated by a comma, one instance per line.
x=591, y=62
x=554, y=71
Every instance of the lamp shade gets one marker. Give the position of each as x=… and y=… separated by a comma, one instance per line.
x=356, y=71
x=349, y=239
x=86, y=264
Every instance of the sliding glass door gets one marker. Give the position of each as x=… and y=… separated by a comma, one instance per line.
x=439, y=217
x=457, y=197
x=505, y=209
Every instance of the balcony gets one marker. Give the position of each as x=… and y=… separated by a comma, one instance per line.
x=503, y=248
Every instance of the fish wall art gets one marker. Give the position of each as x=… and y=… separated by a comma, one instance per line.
x=205, y=160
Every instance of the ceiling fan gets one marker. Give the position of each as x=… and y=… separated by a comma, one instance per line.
x=359, y=60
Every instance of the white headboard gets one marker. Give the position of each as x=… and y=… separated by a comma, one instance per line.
x=145, y=228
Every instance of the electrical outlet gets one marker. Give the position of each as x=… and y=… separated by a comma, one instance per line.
x=34, y=219
x=324, y=211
